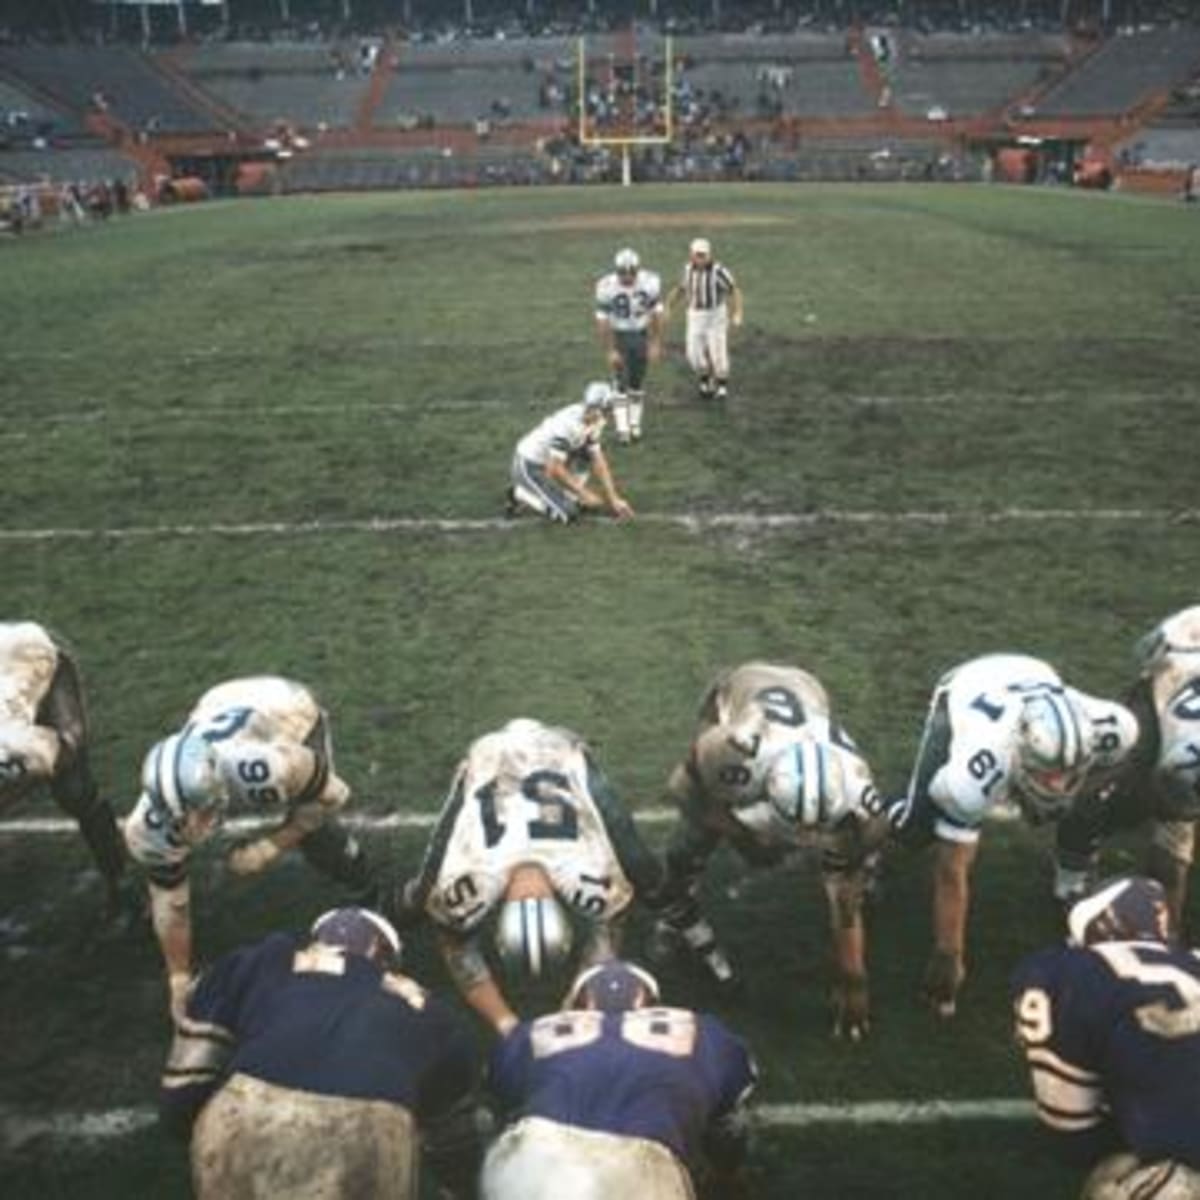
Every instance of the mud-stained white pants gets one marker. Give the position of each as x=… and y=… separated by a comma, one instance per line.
x=708, y=341
x=538, y=1159
x=256, y=1141
x=1124, y=1177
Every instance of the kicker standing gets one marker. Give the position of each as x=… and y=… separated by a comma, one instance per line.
x=629, y=314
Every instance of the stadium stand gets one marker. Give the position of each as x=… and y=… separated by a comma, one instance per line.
x=1124, y=72
x=74, y=165
x=774, y=93
x=969, y=75
x=116, y=79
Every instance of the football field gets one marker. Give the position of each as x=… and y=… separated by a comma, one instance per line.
x=274, y=436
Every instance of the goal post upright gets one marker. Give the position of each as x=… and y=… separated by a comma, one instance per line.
x=630, y=138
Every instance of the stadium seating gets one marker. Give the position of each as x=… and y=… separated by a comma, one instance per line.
x=129, y=85
x=1125, y=71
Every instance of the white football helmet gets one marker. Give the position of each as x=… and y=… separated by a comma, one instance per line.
x=627, y=261
x=533, y=935
x=1054, y=739
x=597, y=395
x=807, y=786
x=181, y=773
x=1178, y=634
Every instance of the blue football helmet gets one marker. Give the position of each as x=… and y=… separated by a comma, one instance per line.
x=1131, y=909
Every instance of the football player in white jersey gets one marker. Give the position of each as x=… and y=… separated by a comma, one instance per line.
x=1160, y=786
x=553, y=464
x=44, y=739
x=531, y=828
x=771, y=771
x=629, y=315
x=259, y=744
x=1002, y=729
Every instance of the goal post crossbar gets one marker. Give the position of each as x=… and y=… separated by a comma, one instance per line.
x=625, y=141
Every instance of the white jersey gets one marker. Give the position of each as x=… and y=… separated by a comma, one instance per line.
x=522, y=795
x=968, y=753
x=273, y=753
x=628, y=307
x=564, y=435
x=747, y=717
x=28, y=661
x=1174, y=676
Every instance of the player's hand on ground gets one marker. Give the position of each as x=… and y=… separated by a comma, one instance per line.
x=851, y=1007
x=622, y=509
x=944, y=975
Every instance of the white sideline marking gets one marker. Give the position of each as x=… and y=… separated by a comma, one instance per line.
x=18, y=1130
x=747, y=522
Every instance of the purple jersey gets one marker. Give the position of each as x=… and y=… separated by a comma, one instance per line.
x=1112, y=1032
x=664, y=1074
x=307, y=1016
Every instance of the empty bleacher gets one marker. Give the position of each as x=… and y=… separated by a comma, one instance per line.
x=76, y=165
x=1124, y=72
x=133, y=91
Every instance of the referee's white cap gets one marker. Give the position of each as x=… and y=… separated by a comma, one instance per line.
x=700, y=246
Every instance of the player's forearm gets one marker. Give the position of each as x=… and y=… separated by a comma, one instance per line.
x=171, y=916
x=475, y=982
x=951, y=896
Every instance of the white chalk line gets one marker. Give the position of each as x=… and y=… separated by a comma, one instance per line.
x=364, y=822
x=742, y=522
x=19, y=1129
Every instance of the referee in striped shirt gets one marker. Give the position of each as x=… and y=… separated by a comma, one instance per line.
x=714, y=301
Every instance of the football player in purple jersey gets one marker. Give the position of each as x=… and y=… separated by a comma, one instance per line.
x=617, y=1095
x=1110, y=1026
x=310, y=1067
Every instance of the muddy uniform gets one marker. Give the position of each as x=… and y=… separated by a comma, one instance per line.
x=616, y=1104
x=529, y=794
x=315, y=1074
x=44, y=739
x=750, y=720
x=1161, y=783
x=273, y=755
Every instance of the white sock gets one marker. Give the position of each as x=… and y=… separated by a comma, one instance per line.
x=621, y=408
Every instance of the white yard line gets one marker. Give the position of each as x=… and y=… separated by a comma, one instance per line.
x=745, y=522
x=19, y=1129
x=368, y=822
x=364, y=822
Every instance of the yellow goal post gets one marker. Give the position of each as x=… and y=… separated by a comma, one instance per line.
x=618, y=77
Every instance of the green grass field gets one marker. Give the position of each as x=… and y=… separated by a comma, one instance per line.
x=230, y=434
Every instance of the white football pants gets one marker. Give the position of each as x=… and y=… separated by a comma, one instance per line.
x=256, y=1141
x=708, y=341
x=537, y=1159
x=1123, y=1177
